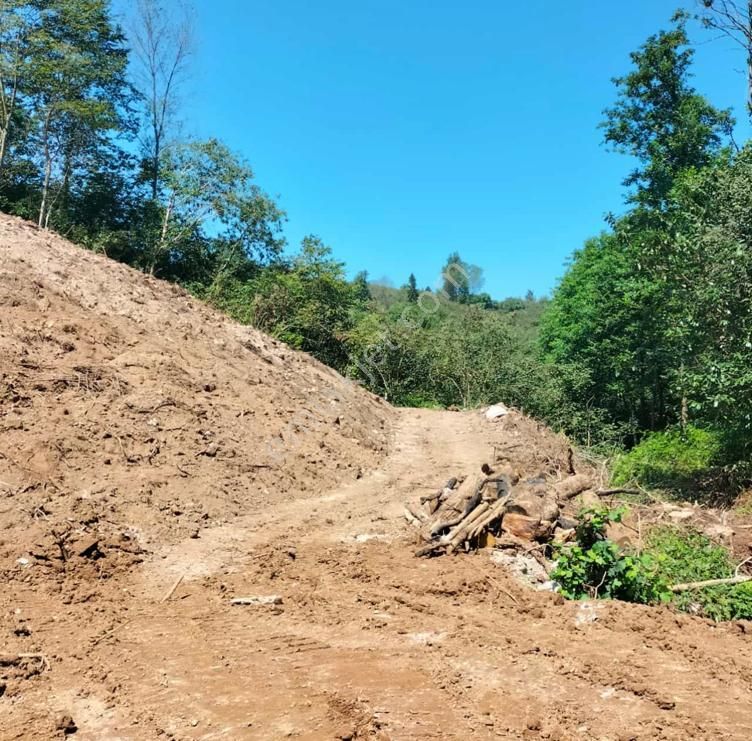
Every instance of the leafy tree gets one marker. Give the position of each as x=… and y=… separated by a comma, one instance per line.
x=661, y=120
x=78, y=92
x=360, y=285
x=308, y=305
x=206, y=185
x=711, y=269
x=460, y=279
x=19, y=24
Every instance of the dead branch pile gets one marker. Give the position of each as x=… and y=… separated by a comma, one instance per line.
x=494, y=508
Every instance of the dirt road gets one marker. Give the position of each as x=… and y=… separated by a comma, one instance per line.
x=370, y=642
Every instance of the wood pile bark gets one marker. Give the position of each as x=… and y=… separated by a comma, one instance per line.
x=493, y=507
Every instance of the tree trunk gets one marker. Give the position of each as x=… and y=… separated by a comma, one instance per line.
x=749, y=59
x=7, y=118
x=47, y=170
x=155, y=166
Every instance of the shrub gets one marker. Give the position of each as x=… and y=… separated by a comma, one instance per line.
x=596, y=567
x=687, y=556
x=674, y=459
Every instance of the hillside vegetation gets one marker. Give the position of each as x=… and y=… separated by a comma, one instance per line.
x=649, y=332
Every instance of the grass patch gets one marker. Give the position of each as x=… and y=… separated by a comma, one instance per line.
x=687, y=556
x=674, y=460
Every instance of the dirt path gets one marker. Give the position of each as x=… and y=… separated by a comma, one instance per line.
x=371, y=642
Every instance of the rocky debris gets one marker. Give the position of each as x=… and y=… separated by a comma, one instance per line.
x=470, y=512
x=66, y=724
x=524, y=568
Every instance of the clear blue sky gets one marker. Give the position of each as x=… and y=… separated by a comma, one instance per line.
x=402, y=130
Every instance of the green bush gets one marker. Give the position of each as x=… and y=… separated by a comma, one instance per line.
x=674, y=459
x=595, y=567
x=687, y=556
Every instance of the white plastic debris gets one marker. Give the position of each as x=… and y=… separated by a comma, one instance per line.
x=496, y=412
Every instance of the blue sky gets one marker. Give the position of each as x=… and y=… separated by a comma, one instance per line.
x=402, y=130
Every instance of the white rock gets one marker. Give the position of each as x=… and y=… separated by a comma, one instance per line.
x=496, y=412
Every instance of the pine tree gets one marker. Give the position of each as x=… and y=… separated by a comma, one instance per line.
x=412, y=289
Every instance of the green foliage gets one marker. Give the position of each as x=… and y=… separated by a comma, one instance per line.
x=460, y=279
x=674, y=459
x=307, y=303
x=412, y=289
x=606, y=324
x=661, y=120
x=595, y=567
x=688, y=556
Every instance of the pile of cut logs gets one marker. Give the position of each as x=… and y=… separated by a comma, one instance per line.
x=477, y=511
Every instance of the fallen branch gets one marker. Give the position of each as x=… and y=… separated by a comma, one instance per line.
x=612, y=492
x=739, y=579
x=454, y=537
x=495, y=512
x=173, y=588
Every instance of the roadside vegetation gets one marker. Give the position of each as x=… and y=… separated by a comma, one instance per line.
x=595, y=567
x=643, y=353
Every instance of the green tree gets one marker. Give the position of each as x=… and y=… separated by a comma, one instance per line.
x=19, y=24
x=661, y=120
x=360, y=286
x=460, y=279
x=208, y=187
x=309, y=305
x=412, y=289
x=78, y=93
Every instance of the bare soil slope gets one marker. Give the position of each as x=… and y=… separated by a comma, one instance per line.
x=368, y=641
x=133, y=415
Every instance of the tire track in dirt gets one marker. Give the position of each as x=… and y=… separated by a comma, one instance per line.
x=374, y=642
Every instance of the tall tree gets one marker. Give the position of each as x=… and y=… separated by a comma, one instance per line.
x=661, y=120
x=19, y=22
x=79, y=93
x=162, y=47
x=460, y=278
x=360, y=284
x=734, y=20
x=412, y=289
x=206, y=185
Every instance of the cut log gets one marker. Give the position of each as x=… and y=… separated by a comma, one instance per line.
x=456, y=535
x=572, y=486
x=460, y=533
x=458, y=505
x=495, y=512
x=416, y=512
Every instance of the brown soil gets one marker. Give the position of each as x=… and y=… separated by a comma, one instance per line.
x=369, y=641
